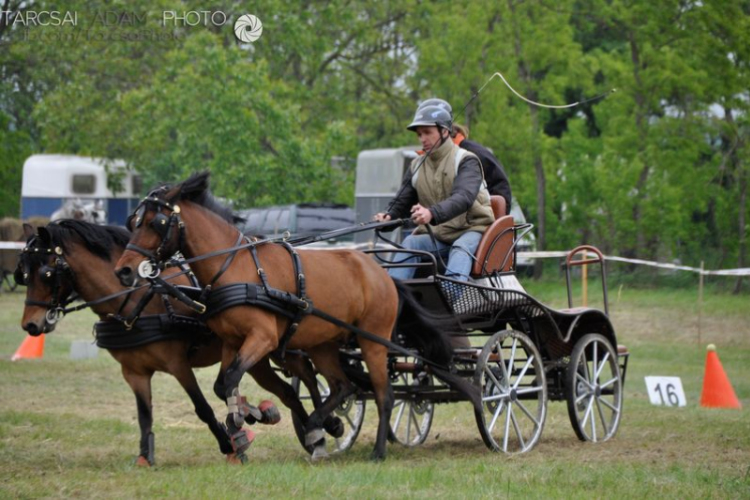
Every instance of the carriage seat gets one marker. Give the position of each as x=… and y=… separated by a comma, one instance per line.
x=495, y=250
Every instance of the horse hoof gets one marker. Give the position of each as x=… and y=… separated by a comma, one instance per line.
x=334, y=426
x=233, y=459
x=271, y=414
x=313, y=436
x=242, y=440
x=320, y=453
x=142, y=461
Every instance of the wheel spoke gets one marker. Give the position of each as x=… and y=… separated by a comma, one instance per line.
x=580, y=378
x=529, y=390
x=602, y=365
x=495, y=416
x=523, y=371
x=528, y=413
x=610, y=406
x=491, y=376
x=593, y=419
x=582, y=397
x=507, y=428
x=412, y=420
x=494, y=397
x=594, y=359
x=609, y=382
x=512, y=359
x=400, y=414
x=501, y=360
x=602, y=418
x=517, y=428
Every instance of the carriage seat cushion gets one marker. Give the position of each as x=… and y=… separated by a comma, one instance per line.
x=498, y=206
x=495, y=247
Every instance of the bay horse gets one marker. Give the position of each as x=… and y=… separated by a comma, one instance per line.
x=345, y=285
x=75, y=257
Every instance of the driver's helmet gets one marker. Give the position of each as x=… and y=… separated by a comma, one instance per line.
x=431, y=116
x=440, y=103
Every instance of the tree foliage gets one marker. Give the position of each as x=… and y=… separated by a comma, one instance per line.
x=658, y=169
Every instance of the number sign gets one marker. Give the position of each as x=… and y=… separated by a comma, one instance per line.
x=665, y=391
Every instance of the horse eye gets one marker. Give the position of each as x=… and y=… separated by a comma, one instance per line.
x=46, y=273
x=20, y=277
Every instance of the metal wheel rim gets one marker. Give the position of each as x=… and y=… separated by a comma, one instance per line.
x=594, y=386
x=411, y=420
x=351, y=412
x=511, y=376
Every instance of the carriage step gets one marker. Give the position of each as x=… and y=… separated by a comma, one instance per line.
x=622, y=350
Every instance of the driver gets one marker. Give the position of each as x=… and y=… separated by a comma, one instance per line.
x=447, y=192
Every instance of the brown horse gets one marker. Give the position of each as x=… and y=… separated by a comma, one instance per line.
x=69, y=257
x=346, y=285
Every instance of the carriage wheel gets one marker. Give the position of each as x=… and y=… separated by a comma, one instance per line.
x=511, y=376
x=593, y=387
x=411, y=418
x=351, y=412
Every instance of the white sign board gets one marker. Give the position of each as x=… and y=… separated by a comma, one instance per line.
x=665, y=391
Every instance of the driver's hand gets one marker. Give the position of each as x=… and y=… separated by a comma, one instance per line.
x=382, y=217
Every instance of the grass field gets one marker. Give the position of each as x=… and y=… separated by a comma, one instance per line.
x=68, y=428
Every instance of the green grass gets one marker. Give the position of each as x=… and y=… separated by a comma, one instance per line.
x=68, y=428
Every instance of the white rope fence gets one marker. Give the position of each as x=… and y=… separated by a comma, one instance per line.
x=745, y=271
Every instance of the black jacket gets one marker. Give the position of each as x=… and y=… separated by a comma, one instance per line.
x=465, y=189
x=497, y=181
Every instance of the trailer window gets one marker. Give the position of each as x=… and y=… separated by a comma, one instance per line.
x=84, y=184
x=137, y=185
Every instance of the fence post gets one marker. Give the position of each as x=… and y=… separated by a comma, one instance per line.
x=700, y=306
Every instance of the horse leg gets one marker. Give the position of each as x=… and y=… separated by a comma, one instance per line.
x=269, y=380
x=186, y=378
x=375, y=357
x=140, y=384
x=251, y=352
x=301, y=367
x=326, y=360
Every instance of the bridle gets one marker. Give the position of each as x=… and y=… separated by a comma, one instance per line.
x=164, y=226
x=50, y=275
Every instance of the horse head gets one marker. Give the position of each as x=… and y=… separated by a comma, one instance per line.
x=157, y=227
x=48, y=279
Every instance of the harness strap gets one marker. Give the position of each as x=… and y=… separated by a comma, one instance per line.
x=284, y=304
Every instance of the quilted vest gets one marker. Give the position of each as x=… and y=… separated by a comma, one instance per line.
x=434, y=183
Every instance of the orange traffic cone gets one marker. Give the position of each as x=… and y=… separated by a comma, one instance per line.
x=717, y=391
x=31, y=347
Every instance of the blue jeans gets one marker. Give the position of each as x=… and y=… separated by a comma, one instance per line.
x=460, y=255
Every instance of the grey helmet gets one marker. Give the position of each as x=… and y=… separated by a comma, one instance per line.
x=431, y=116
x=437, y=102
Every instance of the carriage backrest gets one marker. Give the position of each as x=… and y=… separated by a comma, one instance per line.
x=495, y=250
x=498, y=205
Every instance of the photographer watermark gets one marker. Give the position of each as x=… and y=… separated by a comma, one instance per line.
x=248, y=28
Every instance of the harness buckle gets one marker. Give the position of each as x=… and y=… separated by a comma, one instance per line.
x=53, y=315
x=146, y=269
x=129, y=326
x=260, y=271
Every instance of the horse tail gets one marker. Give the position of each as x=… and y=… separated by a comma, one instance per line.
x=429, y=333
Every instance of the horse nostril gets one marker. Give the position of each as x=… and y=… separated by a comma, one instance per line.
x=126, y=275
x=31, y=328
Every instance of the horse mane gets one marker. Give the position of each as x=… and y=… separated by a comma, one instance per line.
x=196, y=190
x=99, y=240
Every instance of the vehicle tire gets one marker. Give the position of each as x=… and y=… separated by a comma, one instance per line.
x=351, y=412
x=510, y=374
x=593, y=386
x=411, y=418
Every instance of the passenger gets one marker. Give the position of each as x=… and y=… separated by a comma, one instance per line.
x=494, y=174
x=446, y=191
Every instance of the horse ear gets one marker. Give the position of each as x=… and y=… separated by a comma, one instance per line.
x=196, y=185
x=28, y=231
x=45, y=236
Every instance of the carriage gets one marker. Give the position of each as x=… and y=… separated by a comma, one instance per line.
x=517, y=351
x=511, y=353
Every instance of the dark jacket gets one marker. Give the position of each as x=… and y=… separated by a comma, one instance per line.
x=497, y=181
